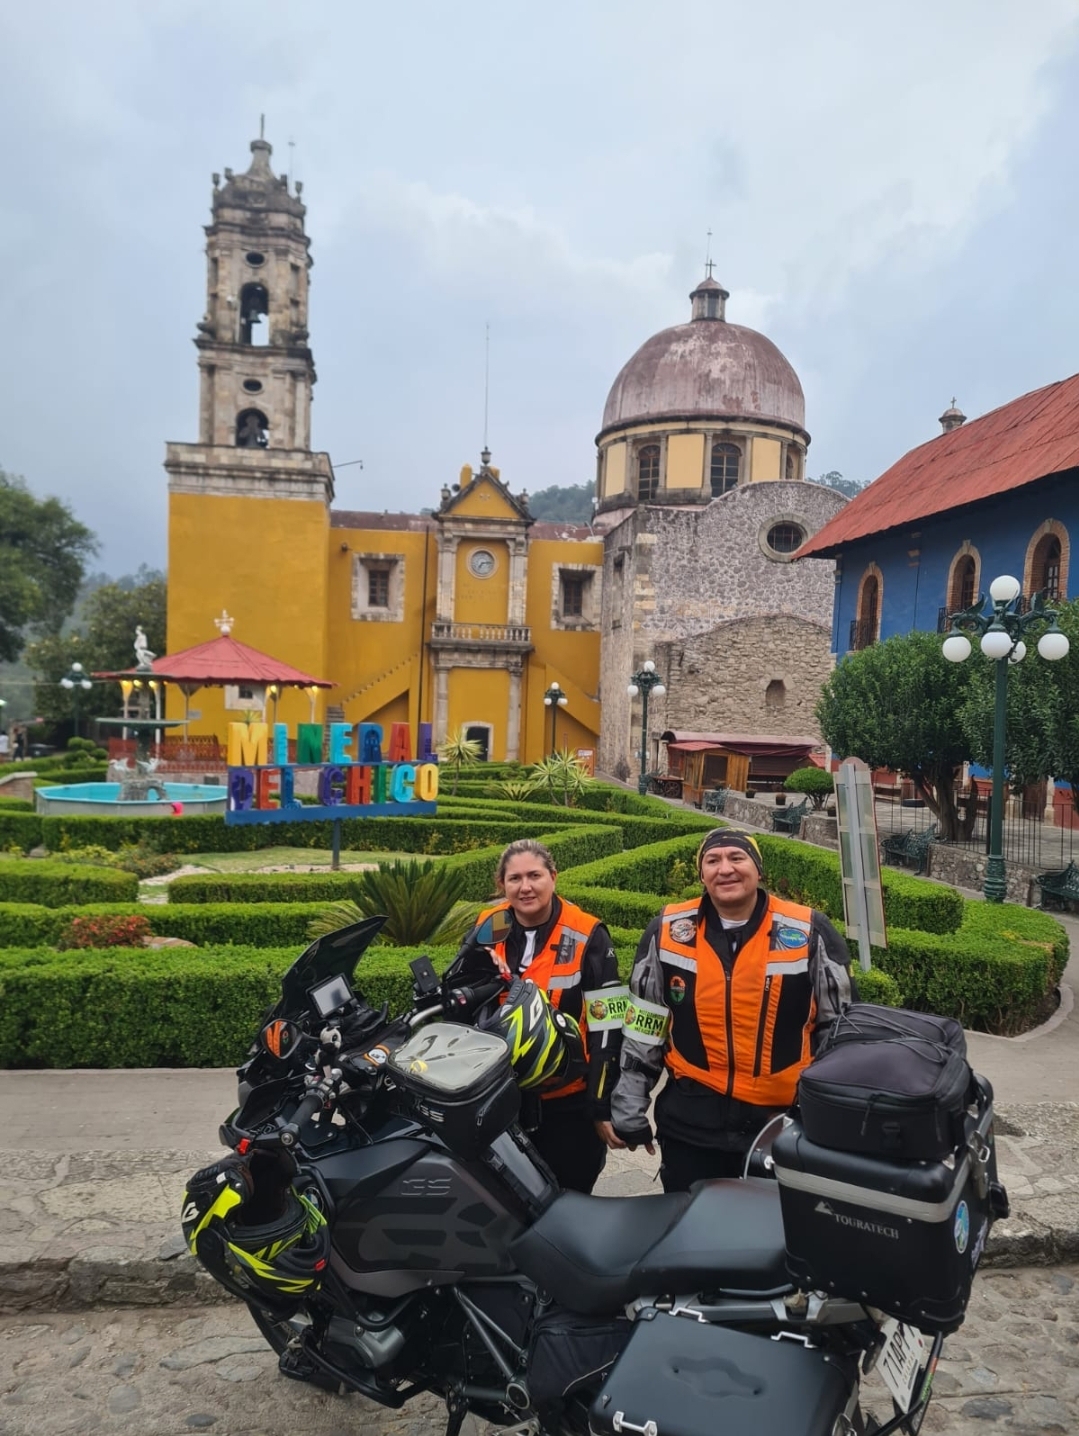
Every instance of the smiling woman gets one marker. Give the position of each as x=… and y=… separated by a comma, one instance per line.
x=535, y=934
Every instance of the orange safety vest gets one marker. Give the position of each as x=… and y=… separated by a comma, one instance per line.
x=748, y=1038
x=556, y=967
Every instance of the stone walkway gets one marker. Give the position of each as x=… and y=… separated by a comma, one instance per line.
x=1013, y=1367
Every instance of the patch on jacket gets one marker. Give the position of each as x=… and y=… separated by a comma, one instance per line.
x=790, y=937
x=684, y=929
x=676, y=988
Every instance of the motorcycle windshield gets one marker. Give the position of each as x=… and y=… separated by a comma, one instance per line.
x=334, y=955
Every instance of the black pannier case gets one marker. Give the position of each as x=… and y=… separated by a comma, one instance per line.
x=458, y=1082
x=683, y=1378
x=904, y=1097
x=868, y=1022
x=905, y=1237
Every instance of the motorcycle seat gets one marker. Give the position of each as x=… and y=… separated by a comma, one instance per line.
x=583, y=1250
x=596, y=1254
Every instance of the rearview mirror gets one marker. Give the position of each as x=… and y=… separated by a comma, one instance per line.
x=495, y=928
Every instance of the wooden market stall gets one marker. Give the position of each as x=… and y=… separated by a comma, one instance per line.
x=737, y=761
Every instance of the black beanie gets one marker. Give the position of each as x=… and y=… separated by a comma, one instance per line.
x=728, y=838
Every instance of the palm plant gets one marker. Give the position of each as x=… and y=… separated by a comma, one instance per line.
x=515, y=789
x=421, y=901
x=458, y=751
x=563, y=775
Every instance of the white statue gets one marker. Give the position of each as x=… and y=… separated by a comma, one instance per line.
x=143, y=655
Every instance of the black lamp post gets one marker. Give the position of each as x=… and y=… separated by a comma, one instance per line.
x=1001, y=628
x=554, y=699
x=645, y=682
x=76, y=681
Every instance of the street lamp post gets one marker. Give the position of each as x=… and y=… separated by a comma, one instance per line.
x=1001, y=628
x=75, y=680
x=554, y=699
x=645, y=682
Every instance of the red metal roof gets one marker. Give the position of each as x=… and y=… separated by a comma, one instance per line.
x=220, y=661
x=1028, y=439
x=751, y=745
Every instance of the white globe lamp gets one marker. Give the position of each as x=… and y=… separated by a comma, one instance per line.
x=1004, y=589
x=996, y=642
x=1053, y=645
x=956, y=647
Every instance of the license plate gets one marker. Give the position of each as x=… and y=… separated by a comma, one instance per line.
x=902, y=1362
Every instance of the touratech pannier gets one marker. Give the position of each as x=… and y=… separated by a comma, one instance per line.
x=459, y=1082
x=904, y=1097
x=683, y=1378
x=866, y=1022
x=905, y=1237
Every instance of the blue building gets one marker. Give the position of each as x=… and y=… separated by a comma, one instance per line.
x=997, y=495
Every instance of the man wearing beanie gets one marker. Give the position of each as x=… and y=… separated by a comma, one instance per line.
x=727, y=993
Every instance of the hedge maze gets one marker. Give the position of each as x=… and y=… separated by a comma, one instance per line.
x=619, y=855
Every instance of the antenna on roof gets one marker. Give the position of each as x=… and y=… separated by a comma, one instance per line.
x=708, y=262
x=486, y=378
x=262, y=127
x=291, y=147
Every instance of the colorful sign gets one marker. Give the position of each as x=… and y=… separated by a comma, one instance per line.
x=361, y=778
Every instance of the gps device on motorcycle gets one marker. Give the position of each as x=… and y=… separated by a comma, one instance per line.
x=424, y=976
x=330, y=996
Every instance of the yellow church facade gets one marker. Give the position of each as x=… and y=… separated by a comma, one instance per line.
x=464, y=618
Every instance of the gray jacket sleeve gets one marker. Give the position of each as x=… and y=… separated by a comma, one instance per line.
x=641, y=1063
x=829, y=970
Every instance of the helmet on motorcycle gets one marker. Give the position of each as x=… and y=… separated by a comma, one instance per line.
x=546, y=1047
x=254, y=1232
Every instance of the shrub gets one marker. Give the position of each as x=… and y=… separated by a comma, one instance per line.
x=16, y=805
x=104, y=931
x=25, y=925
x=563, y=776
x=55, y=884
x=19, y=830
x=877, y=986
x=816, y=783
x=421, y=902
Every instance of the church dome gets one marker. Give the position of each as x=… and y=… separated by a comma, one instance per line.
x=706, y=368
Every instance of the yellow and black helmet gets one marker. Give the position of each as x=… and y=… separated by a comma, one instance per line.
x=254, y=1232
x=546, y=1047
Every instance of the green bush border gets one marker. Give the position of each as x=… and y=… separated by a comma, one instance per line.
x=56, y=884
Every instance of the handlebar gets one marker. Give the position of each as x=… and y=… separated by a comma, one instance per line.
x=465, y=1000
x=309, y=1105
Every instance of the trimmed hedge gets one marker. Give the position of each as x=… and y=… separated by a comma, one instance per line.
x=57, y=884
x=16, y=805
x=19, y=830
x=247, y=925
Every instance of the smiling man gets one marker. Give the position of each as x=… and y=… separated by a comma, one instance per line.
x=727, y=994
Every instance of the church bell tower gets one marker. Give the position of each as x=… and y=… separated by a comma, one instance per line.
x=249, y=501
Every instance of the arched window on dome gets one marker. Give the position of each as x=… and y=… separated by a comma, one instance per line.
x=648, y=471
x=725, y=468
x=791, y=466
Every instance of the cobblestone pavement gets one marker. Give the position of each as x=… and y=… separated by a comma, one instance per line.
x=168, y=1371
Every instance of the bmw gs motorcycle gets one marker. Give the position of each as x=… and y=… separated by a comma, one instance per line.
x=393, y=1232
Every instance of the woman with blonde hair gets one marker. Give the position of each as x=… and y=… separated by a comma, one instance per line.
x=568, y=953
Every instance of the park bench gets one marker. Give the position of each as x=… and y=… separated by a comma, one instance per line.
x=714, y=801
x=789, y=820
x=1061, y=886
x=910, y=847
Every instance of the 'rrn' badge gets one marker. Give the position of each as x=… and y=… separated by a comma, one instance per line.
x=684, y=929
x=676, y=988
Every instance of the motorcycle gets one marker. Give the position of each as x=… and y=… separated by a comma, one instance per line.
x=442, y=1257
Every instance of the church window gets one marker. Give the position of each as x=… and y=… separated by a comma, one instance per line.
x=253, y=386
x=252, y=430
x=963, y=579
x=785, y=537
x=791, y=468
x=378, y=588
x=254, y=258
x=775, y=695
x=254, y=307
x=648, y=471
x=726, y=461
x=865, y=628
x=1046, y=567
x=572, y=595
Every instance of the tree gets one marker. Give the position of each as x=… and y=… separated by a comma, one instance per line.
x=109, y=616
x=1042, y=732
x=562, y=774
x=422, y=902
x=43, y=553
x=458, y=751
x=898, y=705
x=816, y=783
x=571, y=504
x=835, y=480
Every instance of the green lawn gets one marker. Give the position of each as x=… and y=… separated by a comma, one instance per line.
x=282, y=857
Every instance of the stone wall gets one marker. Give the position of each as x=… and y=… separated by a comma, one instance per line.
x=741, y=636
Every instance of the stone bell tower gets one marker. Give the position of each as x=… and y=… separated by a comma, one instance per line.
x=249, y=501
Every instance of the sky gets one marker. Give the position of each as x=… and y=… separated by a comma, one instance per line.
x=891, y=192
